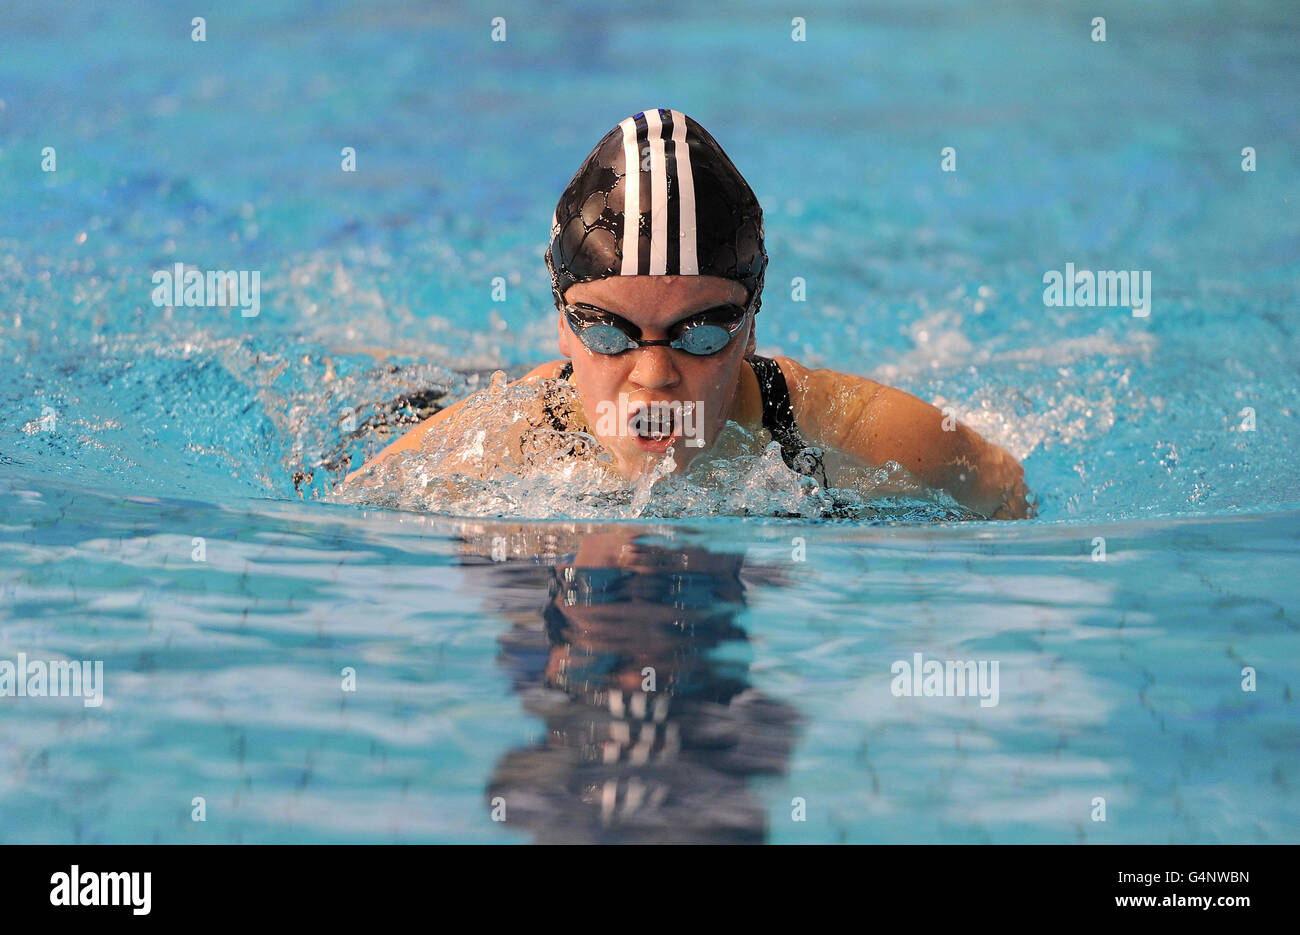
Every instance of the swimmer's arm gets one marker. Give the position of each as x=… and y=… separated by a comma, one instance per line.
x=880, y=423
x=412, y=439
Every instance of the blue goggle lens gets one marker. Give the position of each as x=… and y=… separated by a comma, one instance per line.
x=604, y=339
x=703, y=339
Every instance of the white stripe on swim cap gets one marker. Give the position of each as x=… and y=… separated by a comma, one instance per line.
x=658, y=194
x=688, y=263
x=631, y=198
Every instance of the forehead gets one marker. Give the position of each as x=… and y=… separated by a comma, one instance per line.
x=652, y=299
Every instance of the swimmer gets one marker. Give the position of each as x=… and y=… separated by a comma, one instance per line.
x=657, y=261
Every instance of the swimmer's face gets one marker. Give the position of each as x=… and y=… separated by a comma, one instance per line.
x=658, y=375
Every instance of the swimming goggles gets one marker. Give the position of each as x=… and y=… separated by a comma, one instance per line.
x=702, y=334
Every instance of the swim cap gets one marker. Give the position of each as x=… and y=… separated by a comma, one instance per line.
x=695, y=213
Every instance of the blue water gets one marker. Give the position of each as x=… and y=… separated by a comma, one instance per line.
x=487, y=673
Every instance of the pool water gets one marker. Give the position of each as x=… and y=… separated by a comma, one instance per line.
x=525, y=665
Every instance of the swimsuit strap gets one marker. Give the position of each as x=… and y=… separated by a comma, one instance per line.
x=778, y=418
x=778, y=410
x=566, y=371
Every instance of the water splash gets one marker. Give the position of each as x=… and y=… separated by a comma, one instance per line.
x=503, y=455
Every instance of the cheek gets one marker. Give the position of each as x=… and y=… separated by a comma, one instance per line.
x=597, y=378
x=713, y=383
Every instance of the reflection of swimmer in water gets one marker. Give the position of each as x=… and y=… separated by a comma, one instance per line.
x=657, y=321
x=652, y=730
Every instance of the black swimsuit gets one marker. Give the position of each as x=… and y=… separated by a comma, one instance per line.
x=778, y=418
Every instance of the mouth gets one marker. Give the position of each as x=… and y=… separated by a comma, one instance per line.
x=654, y=427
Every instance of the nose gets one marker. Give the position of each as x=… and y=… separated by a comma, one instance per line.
x=654, y=369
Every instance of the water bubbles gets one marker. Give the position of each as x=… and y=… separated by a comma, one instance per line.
x=502, y=454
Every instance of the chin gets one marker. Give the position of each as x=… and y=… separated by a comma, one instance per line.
x=632, y=461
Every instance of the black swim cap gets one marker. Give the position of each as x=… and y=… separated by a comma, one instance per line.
x=696, y=214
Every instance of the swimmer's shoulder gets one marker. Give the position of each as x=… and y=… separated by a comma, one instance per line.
x=412, y=439
x=874, y=420
x=880, y=423
x=547, y=371
x=828, y=403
